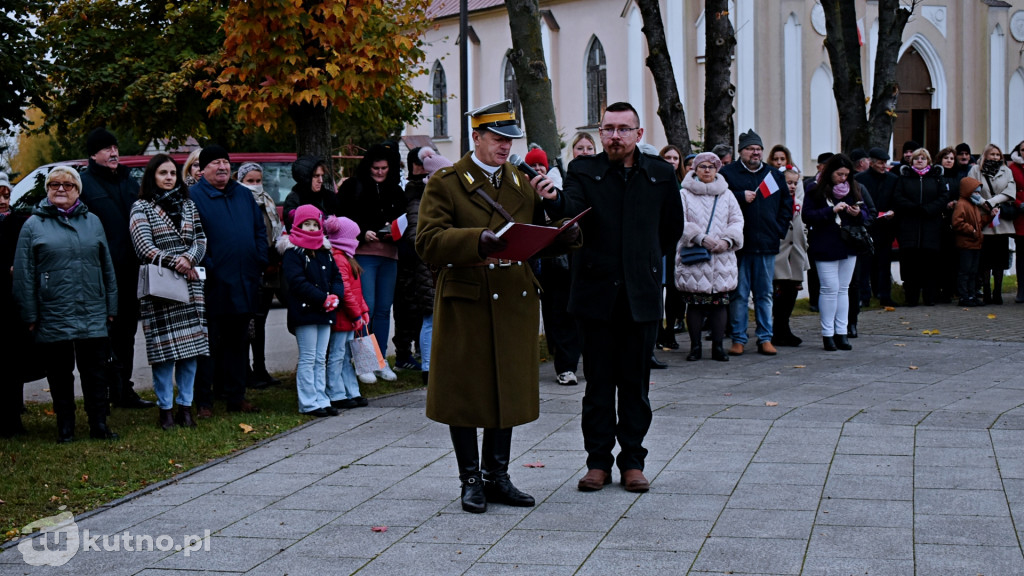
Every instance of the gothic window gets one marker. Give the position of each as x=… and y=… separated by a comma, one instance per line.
x=440, y=96
x=597, y=83
x=512, y=90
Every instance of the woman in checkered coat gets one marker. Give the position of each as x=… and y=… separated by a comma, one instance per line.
x=166, y=231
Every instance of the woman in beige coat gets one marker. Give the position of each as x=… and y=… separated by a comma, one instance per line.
x=997, y=187
x=714, y=220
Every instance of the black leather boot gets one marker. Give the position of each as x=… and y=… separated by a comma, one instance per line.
x=842, y=342
x=498, y=486
x=166, y=419
x=696, y=351
x=718, y=352
x=829, y=343
x=98, y=429
x=426, y=376
x=65, y=429
x=468, y=457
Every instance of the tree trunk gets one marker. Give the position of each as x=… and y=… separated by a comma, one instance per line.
x=719, y=90
x=532, y=82
x=670, y=109
x=843, y=45
x=312, y=131
x=892, y=19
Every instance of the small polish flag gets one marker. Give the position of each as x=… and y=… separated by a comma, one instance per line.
x=398, y=226
x=768, y=186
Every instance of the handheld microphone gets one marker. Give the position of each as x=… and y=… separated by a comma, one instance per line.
x=518, y=162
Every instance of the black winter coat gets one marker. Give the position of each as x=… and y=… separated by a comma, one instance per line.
x=310, y=279
x=880, y=187
x=418, y=281
x=110, y=196
x=632, y=225
x=918, y=202
x=765, y=220
x=326, y=200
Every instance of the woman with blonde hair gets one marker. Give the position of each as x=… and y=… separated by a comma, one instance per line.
x=190, y=172
x=998, y=190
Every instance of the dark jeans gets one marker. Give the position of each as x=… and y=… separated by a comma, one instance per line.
x=90, y=356
x=616, y=359
x=918, y=268
x=813, y=285
x=559, y=326
x=258, y=343
x=122, y=334
x=228, y=360
x=881, y=266
x=967, y=276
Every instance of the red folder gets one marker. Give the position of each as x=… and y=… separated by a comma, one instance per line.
x=525, y=240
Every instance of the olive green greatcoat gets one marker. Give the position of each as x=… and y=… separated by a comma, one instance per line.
x=484, y=357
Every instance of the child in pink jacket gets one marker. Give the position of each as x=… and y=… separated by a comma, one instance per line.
x=352, y=315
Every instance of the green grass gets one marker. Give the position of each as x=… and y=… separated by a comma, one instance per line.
x=37, y=475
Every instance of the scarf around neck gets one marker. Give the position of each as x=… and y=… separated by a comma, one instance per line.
x=990, y=167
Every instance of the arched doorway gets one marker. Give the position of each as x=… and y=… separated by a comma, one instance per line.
x=915, y=118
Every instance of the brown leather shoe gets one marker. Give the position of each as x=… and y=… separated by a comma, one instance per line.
x=634, y=481
x=594, y=480
x=736, y=349
x=766, y=348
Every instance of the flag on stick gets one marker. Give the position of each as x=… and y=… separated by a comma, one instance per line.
x=768, y=186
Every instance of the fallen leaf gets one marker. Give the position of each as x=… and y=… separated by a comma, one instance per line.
x=85, y=477
x=49, y=412
x=799, y=366
x=904, y=323
x=991, y=316
x=178, y=466
x=537, y=464
x=913, y=367
x=170, y=461
x=379, y=528
x=245, y=428
x=2, y=502
x=770, y=403
x=890, y=309
x=900, y=345
x=777, y=373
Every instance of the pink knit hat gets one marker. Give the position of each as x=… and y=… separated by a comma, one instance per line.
x=312, y=240
x=342, y=233
x=708, y=157
x=432, y=161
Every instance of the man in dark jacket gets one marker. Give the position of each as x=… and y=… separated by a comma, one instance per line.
x=236, y=254
x=767, y=210
x=109, y=191
x=880, y=183
x=616, y=292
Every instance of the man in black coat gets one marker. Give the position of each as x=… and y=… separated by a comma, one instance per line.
x=616, y=293
x=109, y=191
x=880, y=183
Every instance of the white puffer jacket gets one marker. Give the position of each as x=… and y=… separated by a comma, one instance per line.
x=720, y=274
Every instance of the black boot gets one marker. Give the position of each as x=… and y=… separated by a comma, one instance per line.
x=843, y=342
x=718, y=352
x=426, y=377
x=166, y=419
x=98, y=429
x=696, y=351
x=498, y=486
x=468, y=457
x=657, y=364
x=65, y=429
x=997, y=288
x=829, y=343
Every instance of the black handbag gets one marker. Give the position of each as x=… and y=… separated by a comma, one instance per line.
x=692, y=255
x=857, y=238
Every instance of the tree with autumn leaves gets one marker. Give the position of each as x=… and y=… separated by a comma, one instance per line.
x=301, y=63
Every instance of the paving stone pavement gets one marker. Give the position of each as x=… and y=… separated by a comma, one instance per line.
x=902, y=456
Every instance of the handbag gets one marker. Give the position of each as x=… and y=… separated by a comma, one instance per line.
x=366, y=356
x=857, y=238
x=692, y=255
x=161, y=283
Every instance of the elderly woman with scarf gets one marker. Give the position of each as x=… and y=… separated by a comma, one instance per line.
x=166, y=231
x=920, y=196
x=374, y=199
x=250, y=175
x=997, y=188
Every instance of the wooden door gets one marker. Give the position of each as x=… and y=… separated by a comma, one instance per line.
x=915, y=118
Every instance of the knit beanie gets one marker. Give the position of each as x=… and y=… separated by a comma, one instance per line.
x=309, y=239
x=537, y=156
x=910, y=146
x=708, y=157
x=432, y=161
x=749, y=138
x=342, y=233
x=211, y=153
x=99, y=139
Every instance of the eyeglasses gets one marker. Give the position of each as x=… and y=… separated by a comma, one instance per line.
x=705, y=167
x=612, y=131
x=54, y=186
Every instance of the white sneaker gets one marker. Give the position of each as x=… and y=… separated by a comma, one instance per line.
x=567, y=379
x=385, y=373
x=367, y=378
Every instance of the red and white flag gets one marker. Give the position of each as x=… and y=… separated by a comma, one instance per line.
x=398, y=226
x=768, y=186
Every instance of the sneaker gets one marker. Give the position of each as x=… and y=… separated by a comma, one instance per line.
x=385, y=373
x=567, y=379
x=367, y=378
x=408, y=363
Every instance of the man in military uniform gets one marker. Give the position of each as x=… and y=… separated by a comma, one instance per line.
x=484, y=360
